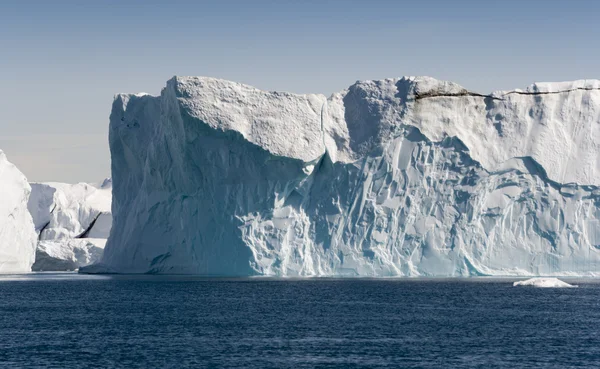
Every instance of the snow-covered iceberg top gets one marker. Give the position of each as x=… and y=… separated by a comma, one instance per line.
x=554, y=123
x=544, y=283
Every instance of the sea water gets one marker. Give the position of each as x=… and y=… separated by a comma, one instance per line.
x=70, y=320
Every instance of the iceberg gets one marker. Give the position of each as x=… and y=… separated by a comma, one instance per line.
x=408, y=176
x=64, y=211
x=72, y=222
x=543, y=283
x=17, y=235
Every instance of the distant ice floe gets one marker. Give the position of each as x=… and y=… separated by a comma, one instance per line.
x=544, y=283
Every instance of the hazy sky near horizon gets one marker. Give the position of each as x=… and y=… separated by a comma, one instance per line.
x=61, y=62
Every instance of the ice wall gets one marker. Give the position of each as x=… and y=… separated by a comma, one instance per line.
x=17, y=234
x=399, y=177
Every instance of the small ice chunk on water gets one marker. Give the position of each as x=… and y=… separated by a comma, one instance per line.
x=543, y=282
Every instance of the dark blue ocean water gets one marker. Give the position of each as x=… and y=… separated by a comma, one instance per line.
x=70, y=320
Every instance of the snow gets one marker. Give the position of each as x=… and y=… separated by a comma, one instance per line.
x=399, y=177
x=543, y=283
x=17, y=234
x=267, y=119
x=73, y=222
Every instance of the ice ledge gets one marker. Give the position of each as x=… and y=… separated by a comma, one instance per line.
x=99, y=268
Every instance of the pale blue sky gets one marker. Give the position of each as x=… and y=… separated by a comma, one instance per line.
x=62, y=61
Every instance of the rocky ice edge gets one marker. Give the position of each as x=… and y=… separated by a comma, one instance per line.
x=72, y=221
x=409, y=176
x=17, y=235
x=544, y=283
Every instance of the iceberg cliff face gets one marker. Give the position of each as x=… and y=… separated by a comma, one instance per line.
x=17, y=234
x=399, y=177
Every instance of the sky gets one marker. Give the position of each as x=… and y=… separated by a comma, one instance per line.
x=61, y=62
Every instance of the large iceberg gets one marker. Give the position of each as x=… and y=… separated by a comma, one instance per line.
x=397, y=177
x=72, y=221
x=17, y=235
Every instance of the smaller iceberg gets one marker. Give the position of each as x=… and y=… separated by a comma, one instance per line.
x=67, y=255
x=544, y=283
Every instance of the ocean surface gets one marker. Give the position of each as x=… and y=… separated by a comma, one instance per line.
x=78, y=321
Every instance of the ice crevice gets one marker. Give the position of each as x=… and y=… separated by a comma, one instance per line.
x=501, y=96
x=457, y=94
x=552, y=92
x=87, y=230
